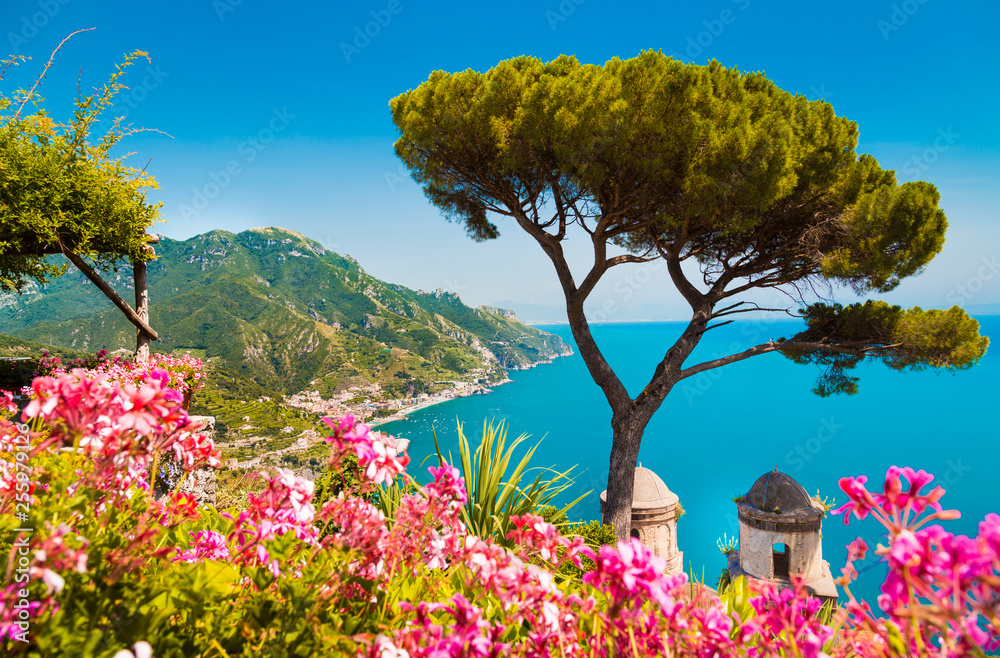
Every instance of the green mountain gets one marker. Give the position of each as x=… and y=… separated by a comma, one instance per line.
x=17, y=347
x=273, y=306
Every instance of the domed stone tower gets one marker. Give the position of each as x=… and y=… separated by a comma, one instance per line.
x=655, y=510
x=781, y=533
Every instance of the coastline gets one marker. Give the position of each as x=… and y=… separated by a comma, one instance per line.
x=486, y=390
x=547, y=323
x=438, y=399
x=403, y=413
x=311, y=402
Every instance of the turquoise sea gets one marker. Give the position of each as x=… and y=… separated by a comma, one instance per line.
x=718, y=432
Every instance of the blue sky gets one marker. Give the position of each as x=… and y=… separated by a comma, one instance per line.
x=278, y=113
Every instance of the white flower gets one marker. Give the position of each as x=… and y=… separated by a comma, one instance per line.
x=550, y=613
x=387, y=649
x=140, y=649
x=53, y=581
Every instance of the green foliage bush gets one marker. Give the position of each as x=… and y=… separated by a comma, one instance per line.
x=595, y=534
x=496, y=493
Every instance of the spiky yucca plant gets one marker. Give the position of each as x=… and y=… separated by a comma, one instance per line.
x=496, y=494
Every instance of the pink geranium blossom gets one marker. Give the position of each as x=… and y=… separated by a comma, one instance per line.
x=205, y=545
x=931, y=572
x=377, y=454
x=121, y=426
x=7, y=402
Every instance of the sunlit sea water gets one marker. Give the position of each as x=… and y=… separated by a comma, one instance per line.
x=718, y=432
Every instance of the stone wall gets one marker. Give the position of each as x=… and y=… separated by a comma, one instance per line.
x=201, y=483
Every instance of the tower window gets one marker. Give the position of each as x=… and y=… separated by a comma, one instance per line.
x=780, y=554
x=634, y=533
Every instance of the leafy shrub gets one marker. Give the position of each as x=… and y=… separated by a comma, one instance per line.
x=182, y=375
x=233, y=487
x=16, y=374
x=496, y=493
x=595, y=535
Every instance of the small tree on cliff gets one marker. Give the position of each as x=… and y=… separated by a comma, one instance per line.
x=737, y=185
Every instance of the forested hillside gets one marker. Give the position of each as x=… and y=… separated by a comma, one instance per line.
x=279, y=309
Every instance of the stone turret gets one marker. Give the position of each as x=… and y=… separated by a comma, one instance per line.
x=655, y=510
x=781, y=531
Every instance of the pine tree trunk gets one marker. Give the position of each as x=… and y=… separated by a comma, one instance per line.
x=628, y=421
x=630, y=416
x=627, y=430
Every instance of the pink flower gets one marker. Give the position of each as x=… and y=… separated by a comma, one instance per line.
x=933, y=574
x=361, y=528
x=856, y=550
x=53, y=581
x=7, y=402
x=447, y=484
x=631, y=572
x=905, y=550
x=786, y=619
x=385, y=463
x=860, y=503
x=989, y=533
x=14, y=620
x=377, y=455
x=193, y=449
x=120, y=426
x=286, y=501
x=284, y=506
x=160, y=375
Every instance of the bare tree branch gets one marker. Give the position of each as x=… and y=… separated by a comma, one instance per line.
x=733, y=310
x=48, y=65
x=857, y=347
